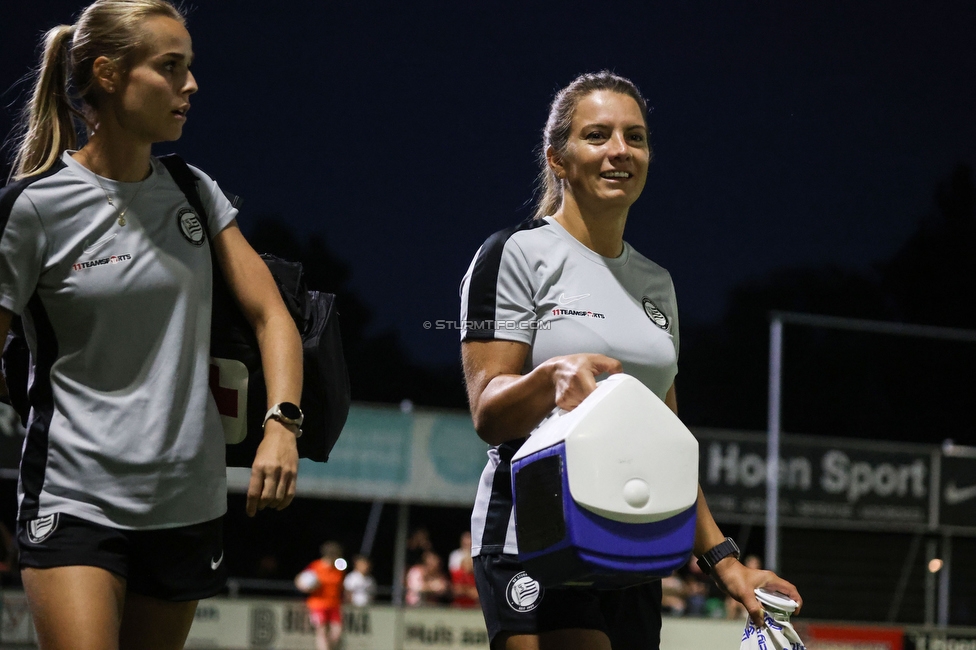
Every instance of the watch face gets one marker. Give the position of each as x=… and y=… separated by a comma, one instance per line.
x=290, y=411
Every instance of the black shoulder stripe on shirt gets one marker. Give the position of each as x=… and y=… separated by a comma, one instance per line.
x=10, y=193
x=483, y=287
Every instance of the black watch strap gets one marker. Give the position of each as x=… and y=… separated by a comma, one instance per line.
x=716, y=554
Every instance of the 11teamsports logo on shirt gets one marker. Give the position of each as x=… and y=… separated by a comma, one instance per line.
x=112, y=259
x=190, y=226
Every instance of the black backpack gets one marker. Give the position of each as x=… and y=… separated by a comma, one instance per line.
x=236, y=377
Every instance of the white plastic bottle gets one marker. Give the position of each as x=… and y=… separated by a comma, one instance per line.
x=777, y=632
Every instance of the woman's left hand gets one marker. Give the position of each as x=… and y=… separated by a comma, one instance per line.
x=740, y=582
x=274, y=471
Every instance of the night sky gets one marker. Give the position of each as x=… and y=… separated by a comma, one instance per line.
x=785, y=134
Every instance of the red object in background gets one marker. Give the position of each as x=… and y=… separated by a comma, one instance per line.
x=857, y=636
x=463, y=581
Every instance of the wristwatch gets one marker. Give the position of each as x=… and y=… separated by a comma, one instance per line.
x=716, y=554
x=286, y=413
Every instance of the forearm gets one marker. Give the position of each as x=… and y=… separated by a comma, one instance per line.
x=511, y=406
x=707, y=533
x=281, y=357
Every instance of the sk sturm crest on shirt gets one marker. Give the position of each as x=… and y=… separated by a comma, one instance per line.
x=190, y=226
x=656, y=315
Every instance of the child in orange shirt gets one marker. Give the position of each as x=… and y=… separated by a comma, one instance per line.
x=322, y=581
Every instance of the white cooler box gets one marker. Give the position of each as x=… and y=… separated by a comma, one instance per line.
x=605, y=494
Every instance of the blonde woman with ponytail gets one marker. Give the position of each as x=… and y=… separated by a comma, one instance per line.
x=549, y=306
x=122, y=484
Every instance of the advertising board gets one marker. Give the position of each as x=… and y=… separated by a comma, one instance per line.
x=957, y=506
x=827, y=636
x=929, y=639
x=823, y=481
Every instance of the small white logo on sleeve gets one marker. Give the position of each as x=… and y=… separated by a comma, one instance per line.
x=523, y=593
x=214, y=564
x=41, y=528
x=190, y=226
x=656, y=315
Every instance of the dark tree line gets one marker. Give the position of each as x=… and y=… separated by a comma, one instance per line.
x=835, y=383
x=380, y=370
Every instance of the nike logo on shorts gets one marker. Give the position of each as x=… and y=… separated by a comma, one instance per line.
x=216, y=563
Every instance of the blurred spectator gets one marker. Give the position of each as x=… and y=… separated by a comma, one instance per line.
x=417, y=544
x=322, y=581
x=426, y=582
x=733, y=608
x=673, y=594
x=8, y=551
x=462, y=581
x=704, y=597
x=464, y=550
x=359, y=583
x=267, y=567
x=697, y=585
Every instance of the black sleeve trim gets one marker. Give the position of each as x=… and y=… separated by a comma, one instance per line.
x=10, y=193
x=483, y=286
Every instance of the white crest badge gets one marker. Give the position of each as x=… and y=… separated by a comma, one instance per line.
x=523, y=593
x=190, y=226
x=41, y=528
x=656, y=315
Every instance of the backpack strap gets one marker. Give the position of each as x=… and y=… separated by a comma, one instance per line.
x=186, y=180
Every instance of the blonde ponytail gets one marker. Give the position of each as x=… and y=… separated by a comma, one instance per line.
x=49, y=117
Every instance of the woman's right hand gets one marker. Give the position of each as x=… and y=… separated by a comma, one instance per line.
x=505, y=404
x=574, y=376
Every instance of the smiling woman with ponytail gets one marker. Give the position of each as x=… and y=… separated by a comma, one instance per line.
x=122, y=486
x=594, y=162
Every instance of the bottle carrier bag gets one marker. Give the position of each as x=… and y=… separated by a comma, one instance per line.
x=236, y=377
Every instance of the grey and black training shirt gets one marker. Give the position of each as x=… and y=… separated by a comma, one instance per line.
x=123, y=430
x=537, y=284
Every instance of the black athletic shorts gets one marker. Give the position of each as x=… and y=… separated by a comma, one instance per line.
x=513, y=602
x=175, y=564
